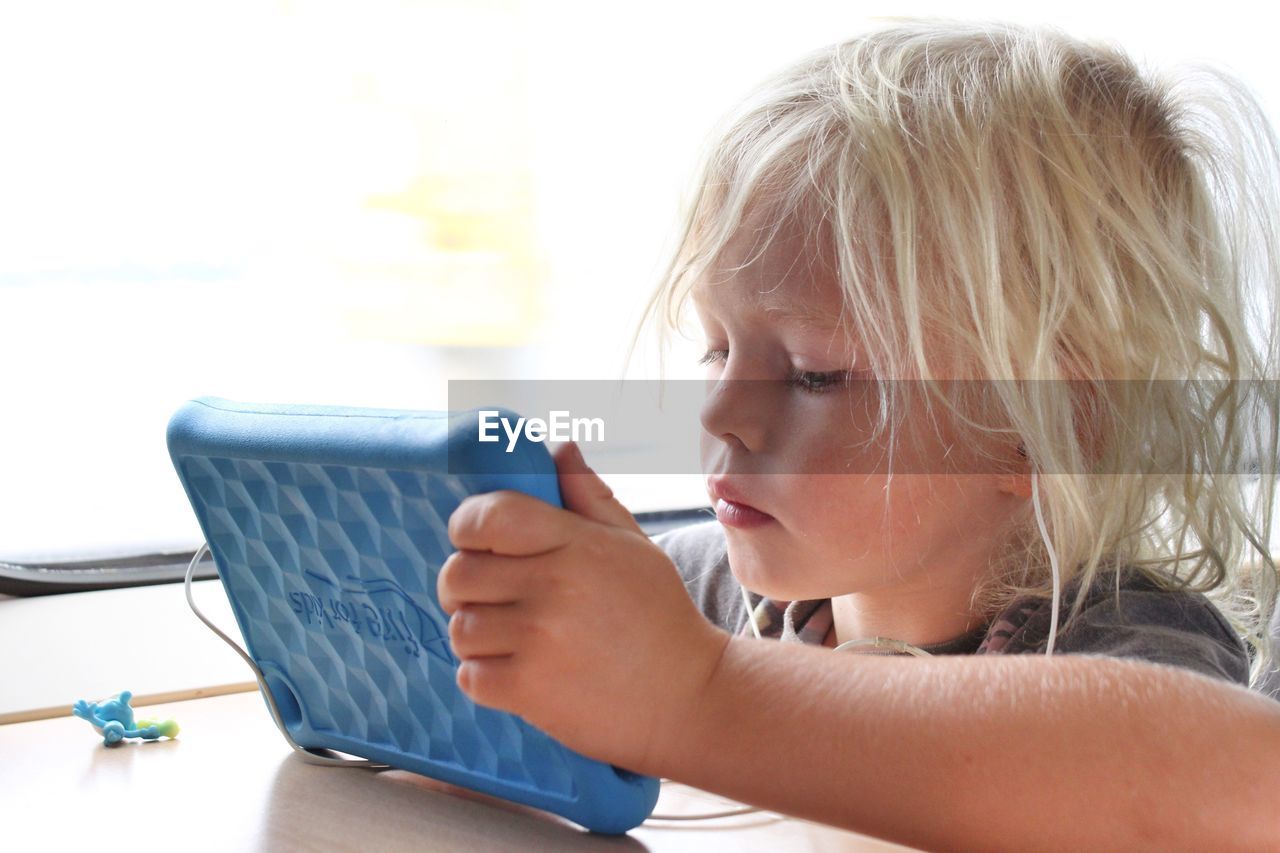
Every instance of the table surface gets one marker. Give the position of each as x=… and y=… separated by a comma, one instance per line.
x=230, y=782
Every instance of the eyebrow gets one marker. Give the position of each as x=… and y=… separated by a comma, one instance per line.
x=802, y=315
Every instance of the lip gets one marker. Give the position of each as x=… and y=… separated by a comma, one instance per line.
x=732, y=507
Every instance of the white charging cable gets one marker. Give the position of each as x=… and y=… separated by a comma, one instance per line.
x=1053, y=561
x=751, y=616
x=323, y=758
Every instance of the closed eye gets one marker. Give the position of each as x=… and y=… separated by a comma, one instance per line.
x=817, y=383
x=808, y=381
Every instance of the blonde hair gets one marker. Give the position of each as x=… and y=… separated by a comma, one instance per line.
x=1036, y=208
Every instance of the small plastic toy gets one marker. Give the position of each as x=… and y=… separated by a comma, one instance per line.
x=113, y=718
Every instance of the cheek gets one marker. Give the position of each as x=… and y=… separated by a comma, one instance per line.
x=903, y=520
x=912, y=519
x=837, y=508
x=836, y=436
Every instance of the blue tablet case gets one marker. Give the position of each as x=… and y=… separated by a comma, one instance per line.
x=328, y=526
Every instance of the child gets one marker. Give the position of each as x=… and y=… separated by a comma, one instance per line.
x=1007, y=282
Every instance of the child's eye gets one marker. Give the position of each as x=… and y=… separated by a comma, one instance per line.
x=808, y=381
x=817, y=383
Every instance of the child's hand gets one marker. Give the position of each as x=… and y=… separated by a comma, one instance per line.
x=574, y=620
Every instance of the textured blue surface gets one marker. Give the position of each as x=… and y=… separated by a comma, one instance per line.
x=328, y=526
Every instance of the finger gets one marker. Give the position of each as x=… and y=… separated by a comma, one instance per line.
x=585, y=493
x=479, y=577
x=489, y=630
x=509, y=522
x=492, y=681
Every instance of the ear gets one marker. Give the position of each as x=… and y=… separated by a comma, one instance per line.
x=1018, y=484
x=1015, y=484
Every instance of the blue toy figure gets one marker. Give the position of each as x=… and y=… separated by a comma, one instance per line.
x=113, y=718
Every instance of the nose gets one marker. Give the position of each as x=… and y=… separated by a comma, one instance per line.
x=736, y=411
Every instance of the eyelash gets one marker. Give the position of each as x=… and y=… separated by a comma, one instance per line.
x=797, y=378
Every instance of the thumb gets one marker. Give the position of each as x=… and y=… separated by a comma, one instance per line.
x=583, y=492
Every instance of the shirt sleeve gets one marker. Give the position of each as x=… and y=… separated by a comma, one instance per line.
x=1142, y=621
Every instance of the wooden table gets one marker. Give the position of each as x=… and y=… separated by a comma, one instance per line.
x=229, y=781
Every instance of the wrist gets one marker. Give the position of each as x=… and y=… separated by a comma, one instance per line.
x=682, y=742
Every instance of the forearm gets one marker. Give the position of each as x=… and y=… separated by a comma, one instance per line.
x=985, y=752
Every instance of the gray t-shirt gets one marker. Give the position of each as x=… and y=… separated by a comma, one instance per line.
x=1180, y=629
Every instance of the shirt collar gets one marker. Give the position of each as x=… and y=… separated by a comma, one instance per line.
x=809, y=621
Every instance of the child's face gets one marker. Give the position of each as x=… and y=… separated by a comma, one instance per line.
x=779, y=446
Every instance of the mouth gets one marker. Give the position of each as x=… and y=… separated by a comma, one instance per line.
x=731, y=505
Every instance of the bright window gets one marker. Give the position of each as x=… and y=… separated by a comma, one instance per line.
x=355, y=203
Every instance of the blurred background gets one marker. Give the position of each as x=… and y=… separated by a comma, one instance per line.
x=353, y=204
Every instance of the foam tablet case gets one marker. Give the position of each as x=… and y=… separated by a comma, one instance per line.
x=328, y=526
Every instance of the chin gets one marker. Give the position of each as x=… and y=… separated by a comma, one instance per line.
x=761, y=583
x=780, y=579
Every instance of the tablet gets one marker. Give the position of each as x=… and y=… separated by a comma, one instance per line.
x=328, y=526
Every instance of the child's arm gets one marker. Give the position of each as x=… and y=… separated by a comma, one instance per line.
x=575, y=620
x=986, y=753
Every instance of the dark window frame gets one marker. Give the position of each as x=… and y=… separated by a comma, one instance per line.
x=30, y=579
